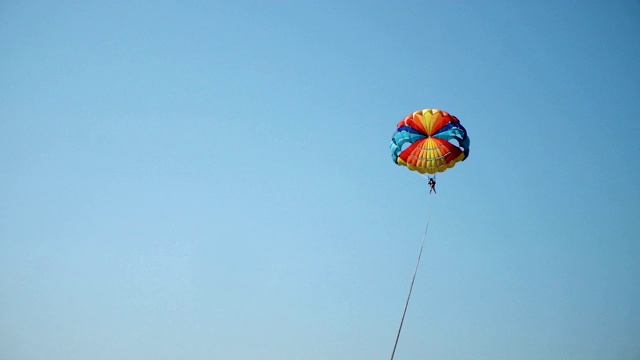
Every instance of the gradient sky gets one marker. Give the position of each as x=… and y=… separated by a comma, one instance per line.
x=213, y=180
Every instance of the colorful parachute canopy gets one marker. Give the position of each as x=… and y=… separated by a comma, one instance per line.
x=429, y=141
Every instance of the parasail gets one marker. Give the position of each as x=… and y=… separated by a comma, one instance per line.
x=429, y=141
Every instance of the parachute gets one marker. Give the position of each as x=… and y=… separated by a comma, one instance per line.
x=429, y=141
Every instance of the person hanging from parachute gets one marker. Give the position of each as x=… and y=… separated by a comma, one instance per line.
x=432, y=184
x=429, y=141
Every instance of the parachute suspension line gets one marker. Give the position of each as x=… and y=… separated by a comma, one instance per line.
x=415, y=272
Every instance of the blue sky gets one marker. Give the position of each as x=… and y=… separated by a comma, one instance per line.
x=212, y=180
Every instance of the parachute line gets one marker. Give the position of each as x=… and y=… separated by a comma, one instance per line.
x=415, y=272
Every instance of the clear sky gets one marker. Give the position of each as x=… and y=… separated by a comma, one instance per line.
x=213, y=180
